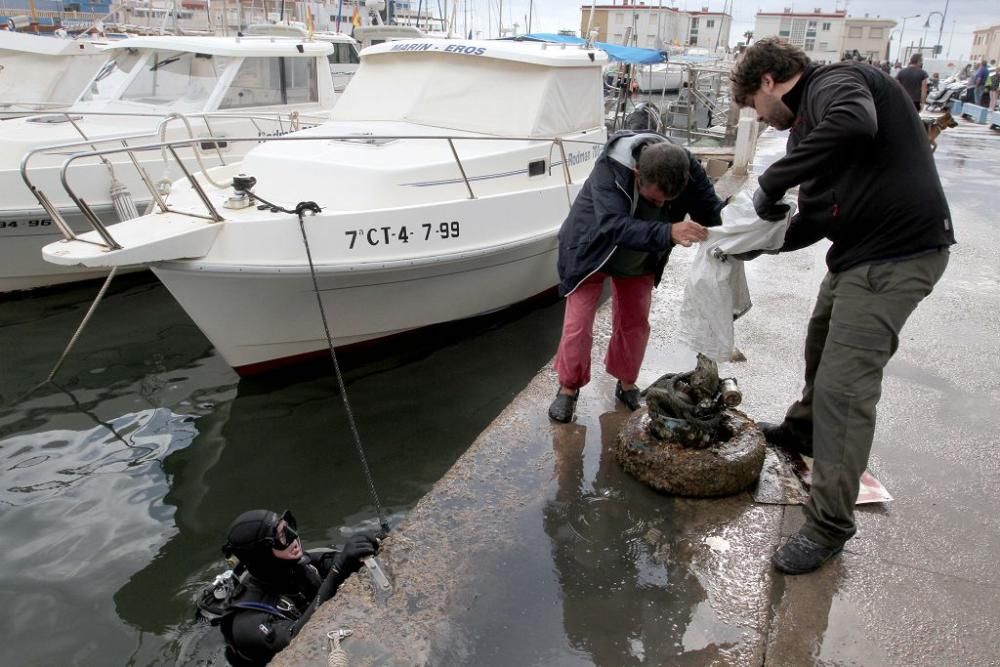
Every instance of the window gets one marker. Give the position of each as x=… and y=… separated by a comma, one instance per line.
x=710, y=23
x=176, y=80
x=826, y=26
x=875, y=33
x=694, y=22
x=107, y=81
x=811, y=25
x=343, y=54
x=854, y=32
x=784, y=33
x=259, y=83
x=693, y=41
x=809, y=44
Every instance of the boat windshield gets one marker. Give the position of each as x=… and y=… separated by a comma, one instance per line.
x=177, y=80
x=105, y=84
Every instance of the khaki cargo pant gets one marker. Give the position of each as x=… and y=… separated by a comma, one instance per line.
x=853, y=332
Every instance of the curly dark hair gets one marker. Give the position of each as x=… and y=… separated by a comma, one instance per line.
x=767, y=56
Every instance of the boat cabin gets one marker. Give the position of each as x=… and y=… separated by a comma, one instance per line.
x=164, y=74
x=343, y=60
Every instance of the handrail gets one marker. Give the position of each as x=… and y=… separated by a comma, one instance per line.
x=122, y=138
x=213, y=214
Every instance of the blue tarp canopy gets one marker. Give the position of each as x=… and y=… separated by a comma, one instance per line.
x=624, y=54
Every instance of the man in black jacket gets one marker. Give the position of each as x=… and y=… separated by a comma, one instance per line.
x=626, y=219
x=867, y=182
x=280, y=587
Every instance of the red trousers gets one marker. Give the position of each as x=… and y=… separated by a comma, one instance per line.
x=630, y=299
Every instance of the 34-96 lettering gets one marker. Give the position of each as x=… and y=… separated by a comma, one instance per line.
x=374, y=236
x=14, y=224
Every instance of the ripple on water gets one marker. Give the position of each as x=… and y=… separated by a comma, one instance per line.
x=40, y=465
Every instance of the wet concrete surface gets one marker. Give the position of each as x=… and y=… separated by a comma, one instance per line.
x=537, y=549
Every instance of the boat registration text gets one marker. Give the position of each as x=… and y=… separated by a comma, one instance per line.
x=374, y=236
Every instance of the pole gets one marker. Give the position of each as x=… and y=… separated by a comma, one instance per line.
x=943, y=16
x=952, y=36
x=590, y=22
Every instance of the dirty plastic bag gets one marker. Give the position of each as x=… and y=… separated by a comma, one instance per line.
x=716, y=293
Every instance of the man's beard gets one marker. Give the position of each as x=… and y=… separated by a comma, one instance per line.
x=781, y=117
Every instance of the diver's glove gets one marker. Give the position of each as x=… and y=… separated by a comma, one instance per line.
x=769, y=208
x=346, y=562
x=359, y=547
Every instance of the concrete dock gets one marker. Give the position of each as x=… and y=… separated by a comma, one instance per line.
x=537, y=549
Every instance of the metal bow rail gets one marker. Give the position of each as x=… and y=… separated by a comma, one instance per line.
x=285, y=123
x=212, y=213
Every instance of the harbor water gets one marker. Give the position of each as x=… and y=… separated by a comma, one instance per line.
x=119, y=481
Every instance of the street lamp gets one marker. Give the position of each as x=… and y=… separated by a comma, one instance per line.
x=927, y=23
x=899, y=51
x=888, y=46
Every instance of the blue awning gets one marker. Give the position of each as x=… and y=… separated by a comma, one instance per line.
x=624, y=54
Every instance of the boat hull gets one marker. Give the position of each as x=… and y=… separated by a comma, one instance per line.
x=23, y=234
x=258, y=320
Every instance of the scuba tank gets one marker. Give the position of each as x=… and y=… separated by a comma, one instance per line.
x=215, y=600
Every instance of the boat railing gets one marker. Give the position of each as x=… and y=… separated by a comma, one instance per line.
x=287, y=122
x=211, y=213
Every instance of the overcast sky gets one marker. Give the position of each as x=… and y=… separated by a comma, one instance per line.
x=962, y=17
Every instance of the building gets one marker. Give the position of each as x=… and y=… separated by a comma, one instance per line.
x=820, y=34
x=827, y=36
x=986, y=44
x=653, y=27
x=869, y=38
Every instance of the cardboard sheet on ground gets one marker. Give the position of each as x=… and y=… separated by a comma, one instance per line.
x=785, y=479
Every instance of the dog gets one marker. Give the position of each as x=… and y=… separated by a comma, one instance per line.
x=935, y=126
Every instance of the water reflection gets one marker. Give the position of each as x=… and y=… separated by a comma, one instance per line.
x=611, y=544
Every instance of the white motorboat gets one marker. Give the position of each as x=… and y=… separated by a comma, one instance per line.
x=660, y=78
x=443, y=178
x=39, y=73
x=149, y=89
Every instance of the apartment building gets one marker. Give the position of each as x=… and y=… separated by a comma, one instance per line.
x=820, y=34
x=869, y=37
x=986, y=44
x=826, y=36
x=653, y=27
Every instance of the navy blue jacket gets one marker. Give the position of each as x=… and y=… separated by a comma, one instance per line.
x=600, y=219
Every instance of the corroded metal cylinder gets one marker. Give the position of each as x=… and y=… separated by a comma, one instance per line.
x=724, y=468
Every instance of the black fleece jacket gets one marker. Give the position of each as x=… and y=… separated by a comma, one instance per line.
x=866, y=175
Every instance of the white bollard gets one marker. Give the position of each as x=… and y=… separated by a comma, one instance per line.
x=746, y=140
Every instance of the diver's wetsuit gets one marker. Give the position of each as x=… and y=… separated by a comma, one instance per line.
x=269, y=613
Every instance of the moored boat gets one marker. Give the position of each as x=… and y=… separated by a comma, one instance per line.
x=442, y=180
x=150, y=88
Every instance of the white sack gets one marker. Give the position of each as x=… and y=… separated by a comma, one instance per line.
x=716, y=292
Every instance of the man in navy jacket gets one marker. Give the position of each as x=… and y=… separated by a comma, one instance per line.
x=626, y=219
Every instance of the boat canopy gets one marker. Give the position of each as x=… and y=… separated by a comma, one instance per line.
x=624, y=54
x=467, y=86
x=262, y=46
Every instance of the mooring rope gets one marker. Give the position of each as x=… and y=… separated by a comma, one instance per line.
x=300, y=209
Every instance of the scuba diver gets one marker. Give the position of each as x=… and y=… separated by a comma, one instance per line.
x=269, y=595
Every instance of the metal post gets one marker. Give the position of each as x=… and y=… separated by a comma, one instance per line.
x=465, y=178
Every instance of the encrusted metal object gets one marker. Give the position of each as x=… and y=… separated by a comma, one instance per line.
x=689, y=440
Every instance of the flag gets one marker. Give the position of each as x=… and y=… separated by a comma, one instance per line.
x=356, y=17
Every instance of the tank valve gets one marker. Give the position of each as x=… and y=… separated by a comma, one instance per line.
x=729, y=393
